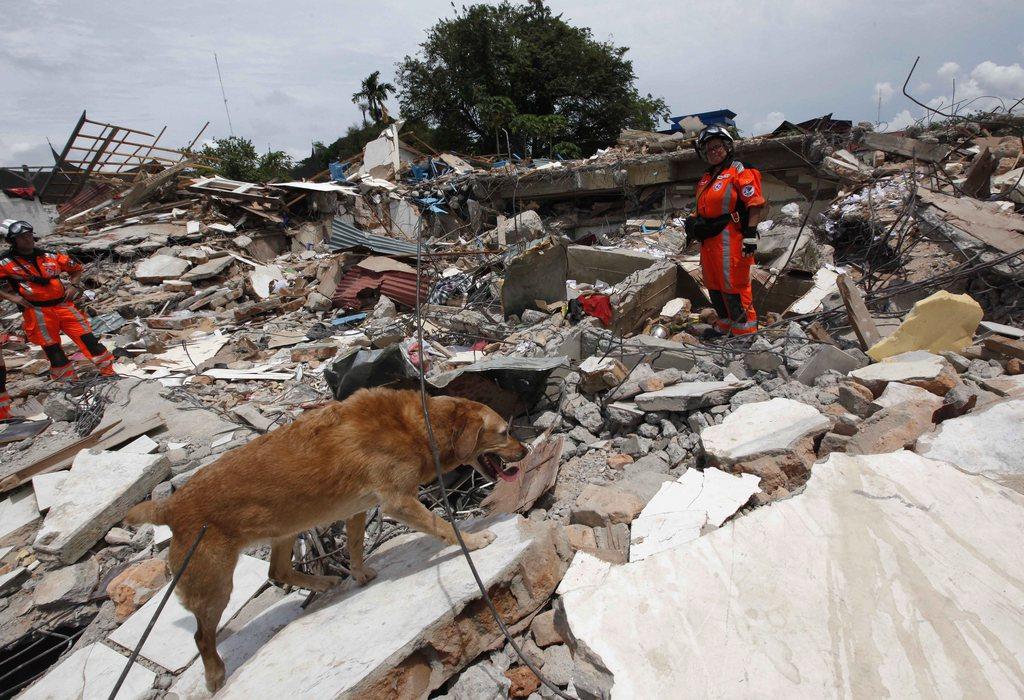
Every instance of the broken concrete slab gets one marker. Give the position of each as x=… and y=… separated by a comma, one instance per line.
x=251, y=415
x=920, y=368
x=171, y=645
x=264, y=279
x=600, y=374
x=896, y=393
x=13, y=579
x=763, y=428
x=17, y=511
x=824, y=359
x=893, y=428
x=989, y=442
x=69, y=585
x=98, y=491
x=683, y=508
x=1006, y=386
x=941, y=322
x=212, y=268
x=599, y=505
x=690, y=396
x=796, y=619
x=527, y=226
x=159, y=268
x=395, y=652
x=90, y=673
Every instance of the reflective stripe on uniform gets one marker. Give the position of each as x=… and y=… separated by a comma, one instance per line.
x=104, y=360
x=738, y=166
x=726, y=235
x=43, y=331
x=62, y=372
x=86, y=328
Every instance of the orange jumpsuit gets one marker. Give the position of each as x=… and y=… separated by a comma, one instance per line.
x=726, y=269
x=36, y=279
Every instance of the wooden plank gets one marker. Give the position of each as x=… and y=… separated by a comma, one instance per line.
x=1007, y=347
x=1004, y=232
x=911, y=148
x=145, y=189
x=979, y=175
x=860, y=319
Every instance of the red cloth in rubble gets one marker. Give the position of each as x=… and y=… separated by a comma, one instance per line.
x=597, y=305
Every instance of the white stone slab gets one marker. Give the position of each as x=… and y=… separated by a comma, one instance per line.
x=90, y=674
x=240, y=647
x=4, y=551
x=585, y=571
x=142, y=445
x=681, y=509
x=689, y=396
x=1012, y=386
x=45, y=487
x=989, y=441
x=905, y=367
x=896, y=393
x=99, y=490
x=18, y=510
x=356, y=631
x=762, y=428
x=1001, y=329
x=13, y=579
x=890, y=576
x=161, y=536
x=158, y=268
x=170, y=644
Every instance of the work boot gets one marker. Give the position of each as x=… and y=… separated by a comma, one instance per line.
x=105, y=364
x=65, y=373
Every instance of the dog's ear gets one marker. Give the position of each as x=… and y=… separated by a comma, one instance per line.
x=466, y=431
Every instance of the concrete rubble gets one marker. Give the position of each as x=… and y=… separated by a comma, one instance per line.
x=704, y=502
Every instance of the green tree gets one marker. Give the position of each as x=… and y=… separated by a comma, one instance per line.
x=237, y=159
x=373, y=94
x=534, y=59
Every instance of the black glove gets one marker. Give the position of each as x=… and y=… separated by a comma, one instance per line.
x=750, y=240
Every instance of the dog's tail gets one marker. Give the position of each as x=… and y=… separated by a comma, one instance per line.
x=148, y=512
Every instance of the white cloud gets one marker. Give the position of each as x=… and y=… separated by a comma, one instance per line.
x=900, y=121
x=924, y=87
x=770, y=121
x=1005, y=81
x=884, y=91
x=948, y=70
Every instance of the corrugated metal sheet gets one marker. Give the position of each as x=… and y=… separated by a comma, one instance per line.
x=400, y=287
x=345, y=236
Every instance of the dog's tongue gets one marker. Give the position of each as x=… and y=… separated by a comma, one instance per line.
x=511, y=475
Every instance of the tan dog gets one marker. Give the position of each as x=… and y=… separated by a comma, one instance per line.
x=331, y=464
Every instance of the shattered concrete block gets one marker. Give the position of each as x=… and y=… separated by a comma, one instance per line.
x=45, y=487
x=600, y=374
x=892, y=428
x=12, y=580
x=159, y=268
x=943, y=321
x=580, y=536
x=558, y=666
x=988, y=442
x=424, y=598
x=524, y=682
x=858, y=516
x=598, y=505
x=483, y=681
x=99, y=490
x=130, y=589
x=896, y=393
x=208, y=270
x=90, y=673
x=833, y=442
x=543, y=629
x=314, y=351
x=769, y=427
x=59, y=408
x=623, y=415
x=527, y=226
x=824, y=359
x=920, y=368
x=69, y=585
x=856, y=398
x=690, y=396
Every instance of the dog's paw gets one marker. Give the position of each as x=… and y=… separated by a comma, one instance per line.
x=320, y=584
x=479, y=540
x=365, y=575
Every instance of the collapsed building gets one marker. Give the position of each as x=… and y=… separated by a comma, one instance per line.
x=778, y=508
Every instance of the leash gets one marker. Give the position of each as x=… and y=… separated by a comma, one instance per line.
x=159, y=609
x=444, y=493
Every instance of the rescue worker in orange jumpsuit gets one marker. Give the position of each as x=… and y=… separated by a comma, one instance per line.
x=32, y=276
x=729, y=205
x=5, y=398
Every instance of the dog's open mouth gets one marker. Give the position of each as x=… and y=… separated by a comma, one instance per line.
x=497, y=469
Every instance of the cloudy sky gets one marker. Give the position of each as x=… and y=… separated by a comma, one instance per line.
x=290, y=68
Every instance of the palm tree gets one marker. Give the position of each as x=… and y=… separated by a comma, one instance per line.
x=374, y=93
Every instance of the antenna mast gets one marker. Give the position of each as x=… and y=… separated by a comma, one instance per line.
x=223, y=94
